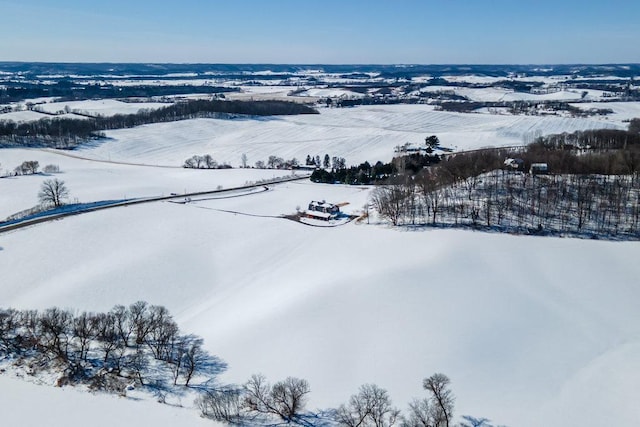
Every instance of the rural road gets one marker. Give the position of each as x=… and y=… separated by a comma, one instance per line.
x=29, y=222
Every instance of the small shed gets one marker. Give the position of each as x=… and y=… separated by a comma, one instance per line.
x=538, y=168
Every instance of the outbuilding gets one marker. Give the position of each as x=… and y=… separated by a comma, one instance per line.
x=538, y=168
x=322, y=210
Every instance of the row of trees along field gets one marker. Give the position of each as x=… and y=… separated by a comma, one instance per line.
x=140, y=346
x=68, y=133
x=592, y=190
x=67, y=90
x=106, y=350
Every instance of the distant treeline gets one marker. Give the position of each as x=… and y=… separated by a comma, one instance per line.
x=393, y=71
x=67, y=90
x=68, y=133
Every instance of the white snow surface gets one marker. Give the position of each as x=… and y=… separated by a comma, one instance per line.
x=527, y=328
x=23, y=116
x=90, y=181
x=103, y=107
x=496, y=94
x=366, y=133
x=57, y=407
x=332, y=93
x=621, y=110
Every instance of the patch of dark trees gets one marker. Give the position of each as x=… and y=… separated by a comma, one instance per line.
x=68, y=133
x=371, y=100
x=591, y=190
x=32, y=69
x=449, y=103
x=139, y=344
x=204, y=162
x=68, y=90
x=364, y=173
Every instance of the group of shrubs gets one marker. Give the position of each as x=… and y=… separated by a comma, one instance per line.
x=31, y=167
x=140, y=343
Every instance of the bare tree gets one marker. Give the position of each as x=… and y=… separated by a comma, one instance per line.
x=420, y=414
x=109, y=340
x=51, y=169
x=370, y=407
x=286, y=399
x=209, y=163
x=140, y=321
x=390, y=202
x=53, y=192
x=470, y=421
x=55, y=326
x=122, y=323
x=161, y=330
x=442, y=398
x=190, y=163
x=225, y=405
x=289, y=397
x=83, y=329
x=192, y=359
x=29, y=167
x=275, y=162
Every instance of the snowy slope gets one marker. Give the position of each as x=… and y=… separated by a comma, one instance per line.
x=525, y=327
x=357, y=134
x=621, y=110
x=90, y=181
x=28, y=405
x=23, y=116
x=103, y=107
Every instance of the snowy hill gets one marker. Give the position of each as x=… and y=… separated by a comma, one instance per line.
x=57, y=407
x=530, y=330
x=358, y=134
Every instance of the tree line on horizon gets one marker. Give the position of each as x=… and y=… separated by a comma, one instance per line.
x=66, y=90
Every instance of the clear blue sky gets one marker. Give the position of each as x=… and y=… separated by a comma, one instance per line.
x=327, y=31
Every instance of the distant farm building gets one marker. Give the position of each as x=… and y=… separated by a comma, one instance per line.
x=538, y=168
x=322, y=210
x=514, y=164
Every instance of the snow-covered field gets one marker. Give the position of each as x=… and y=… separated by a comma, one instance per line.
x=90, y=181
x=45, y=108
x=532, y=331
x=366, y=133
x=28, y=405
x=102, y=107
x=23, y=116
x=621, y=110
x=495, y=94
